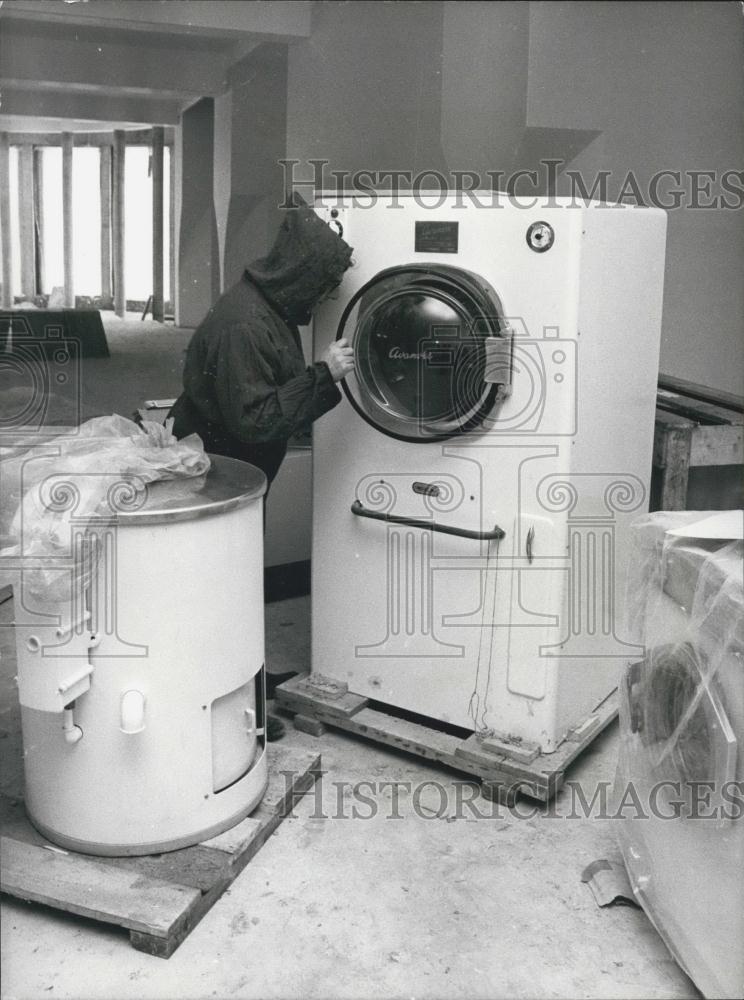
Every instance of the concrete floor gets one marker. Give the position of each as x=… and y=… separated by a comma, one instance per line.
x=337, y=906
x=146, y=363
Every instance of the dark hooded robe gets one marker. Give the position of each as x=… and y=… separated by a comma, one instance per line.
x=246, y=388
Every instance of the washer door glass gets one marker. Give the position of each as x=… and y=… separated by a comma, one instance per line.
x=419, y=335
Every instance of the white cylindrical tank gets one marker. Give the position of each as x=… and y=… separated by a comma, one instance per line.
x=163, y=744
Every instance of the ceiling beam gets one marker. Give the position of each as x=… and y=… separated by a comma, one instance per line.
x=96, y=107
x=39, y=57
x=279, y=20
x=134, y=137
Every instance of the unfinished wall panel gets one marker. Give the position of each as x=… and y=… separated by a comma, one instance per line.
x=198, y=258
x=26, y=220
x=67, y=145
x=119, y=153
x=7, y=272
x=105, y=188
x=157, y=224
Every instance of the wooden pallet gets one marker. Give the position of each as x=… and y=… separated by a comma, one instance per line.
x=696, y=428
x=505, y=770
x=158, y=898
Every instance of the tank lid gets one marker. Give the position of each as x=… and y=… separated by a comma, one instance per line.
x=228, y=484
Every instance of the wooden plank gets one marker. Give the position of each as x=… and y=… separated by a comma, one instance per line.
x=322, y=686
x=202, y=866
x=523, y=751
x=204, y=870
x=7, y=265
x=307, y=724
x=717, y=446
x=718, y=397
x=298, y=693
x=488, y=764
x=26, y=220
x=104, y=173
x=405, y=735
x=443, y=748
x=107, y=894
x=674, y=464
x=67, y=224
x=157, y=224
x=237, y=838
x=118, y=234
x=235, y=863
x=695, y=409
x=501, y=773
x=291, y=774
x=663, y=423
x=269, y=817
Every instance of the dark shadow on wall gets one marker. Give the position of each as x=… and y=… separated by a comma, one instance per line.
x=198, y=250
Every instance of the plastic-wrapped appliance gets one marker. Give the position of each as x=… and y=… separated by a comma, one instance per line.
x=680, y=781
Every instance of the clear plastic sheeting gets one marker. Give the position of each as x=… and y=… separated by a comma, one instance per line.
x=680, y=779
x=54, y=489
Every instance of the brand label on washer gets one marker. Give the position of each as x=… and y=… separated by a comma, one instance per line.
x=436, y=237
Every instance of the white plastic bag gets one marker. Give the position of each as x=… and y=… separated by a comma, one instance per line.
x=53, y=488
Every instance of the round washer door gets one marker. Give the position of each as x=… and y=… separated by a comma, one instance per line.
x=420, y=335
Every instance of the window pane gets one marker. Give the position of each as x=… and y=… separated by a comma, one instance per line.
x=54, y=270
x=138, y=224
x=15, y=232
x=166, y=225
x=86, y=221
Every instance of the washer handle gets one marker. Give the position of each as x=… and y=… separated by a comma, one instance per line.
x=414, y=522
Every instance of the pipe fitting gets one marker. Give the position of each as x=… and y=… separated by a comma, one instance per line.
x=70, y=731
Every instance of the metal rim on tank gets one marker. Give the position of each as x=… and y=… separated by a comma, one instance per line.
x=228, y=485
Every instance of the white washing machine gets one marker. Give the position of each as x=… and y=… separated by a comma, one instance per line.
x=473, y=490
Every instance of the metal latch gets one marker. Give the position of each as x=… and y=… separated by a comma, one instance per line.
x=252, y=723
x=499, y=362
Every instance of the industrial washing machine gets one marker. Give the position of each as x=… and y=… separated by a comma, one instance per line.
x=473, y=490
x=679, y=794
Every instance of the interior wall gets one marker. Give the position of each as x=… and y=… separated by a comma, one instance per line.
x=607, y=86
x=664, y=83
x=257, y=142
x=484, y=109
x=364, y=91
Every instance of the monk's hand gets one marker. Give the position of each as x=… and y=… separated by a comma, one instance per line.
x=340, y=359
